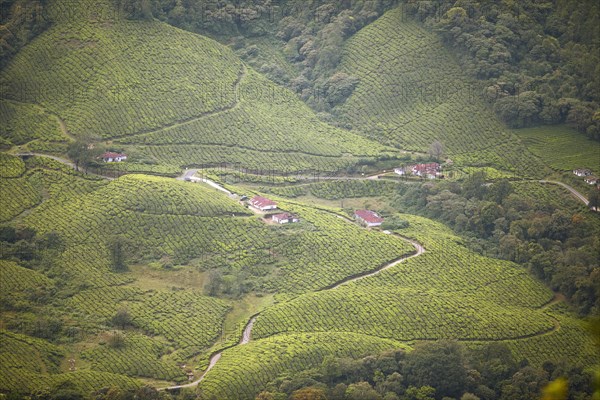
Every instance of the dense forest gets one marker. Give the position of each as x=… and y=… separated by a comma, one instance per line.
x=437, y=370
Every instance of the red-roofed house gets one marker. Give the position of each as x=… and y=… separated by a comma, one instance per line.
x=431, y=170
x=113, y=157
x=285, y=218
x=368, y=217
x=263, y=204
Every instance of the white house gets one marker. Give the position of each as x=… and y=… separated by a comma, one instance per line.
x=113, y=157
x=591, y=180
x=582, y=172
x=262, y=203
x=285, y=218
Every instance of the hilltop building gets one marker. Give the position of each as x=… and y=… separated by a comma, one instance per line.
x=285, y=218
x=368, y=218
x=113, y=157
x=262, y=203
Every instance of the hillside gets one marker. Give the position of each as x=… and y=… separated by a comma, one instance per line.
x=166, y=227
x=413, y=92
x=167, y=96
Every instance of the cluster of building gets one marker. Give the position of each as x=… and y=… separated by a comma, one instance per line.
x=365, y=217
x=429, y=170
x=587, y=175
x=263, y=204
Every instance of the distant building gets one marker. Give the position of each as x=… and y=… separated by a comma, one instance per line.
x=431, y=170
x=113, y=157
x=262, y=203
x=285, y=218
x=368, y=218
x=582, y=172
x=401, y=170
x=591, y=180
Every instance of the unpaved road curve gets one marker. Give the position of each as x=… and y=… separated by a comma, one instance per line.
x=247, y=333
x=570, y=189
x=419, y=250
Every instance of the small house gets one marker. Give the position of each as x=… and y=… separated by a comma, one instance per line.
x=430, y=170
x=113, y=157
x=368, y=218
x=400, y=171
x=285, y=218
x=582, y=172
x=262, y=203
x=591, y=180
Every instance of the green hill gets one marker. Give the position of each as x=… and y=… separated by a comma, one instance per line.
x=171, y=96
x=413, y=92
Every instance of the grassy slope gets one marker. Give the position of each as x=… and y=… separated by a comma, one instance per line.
x=561, y=147
x=165, y=218
x=413, y=92
x=448, y=292
x=147, y=83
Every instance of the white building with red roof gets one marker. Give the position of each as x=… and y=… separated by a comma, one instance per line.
x=285, y=218
x=113, y=157
x=430, y=170
x=368, y=217
x=262, y=203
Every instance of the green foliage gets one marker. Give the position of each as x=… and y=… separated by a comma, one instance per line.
x=412, y=92
x=11, y=166
x=23, y=357
x=516, y=49
x=242, y=371
x=100, y=98
x=561, y=148
x=136, y=355
x=23, y=123
x=267, y=130
x=18, y=195
x=187, y=319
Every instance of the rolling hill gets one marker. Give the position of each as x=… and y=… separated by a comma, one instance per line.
x=413, y=92
x=167, y=95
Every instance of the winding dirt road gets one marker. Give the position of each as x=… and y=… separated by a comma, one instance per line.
x=247, y=333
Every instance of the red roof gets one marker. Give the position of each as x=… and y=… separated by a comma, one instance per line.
x=109, y=154
x=368, y=216
x=426, y=167
x=260, y=202
x=283, y=216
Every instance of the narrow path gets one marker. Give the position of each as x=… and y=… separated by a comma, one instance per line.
x=247, y=333
x=575, y=193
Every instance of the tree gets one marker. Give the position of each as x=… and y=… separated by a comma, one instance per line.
x=361, y=391
x=309, y=393
x=439, y=365
x=122, y=318
x=214, y=282
x=436, y=150
x=117, y=254
x=83, y=151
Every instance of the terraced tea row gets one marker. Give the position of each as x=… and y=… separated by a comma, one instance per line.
x=243, y=370
x=412, y=92
x=83, y=70
x=267, y=118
